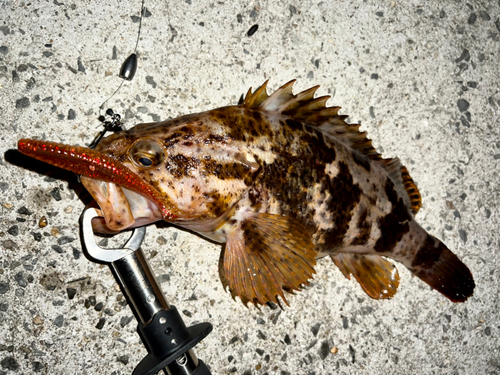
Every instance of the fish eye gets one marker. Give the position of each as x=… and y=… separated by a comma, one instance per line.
x=145, y=161
x=146, y=153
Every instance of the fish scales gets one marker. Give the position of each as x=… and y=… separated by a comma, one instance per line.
x=282, y=180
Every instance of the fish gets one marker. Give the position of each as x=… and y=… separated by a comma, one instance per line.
x=281, y=181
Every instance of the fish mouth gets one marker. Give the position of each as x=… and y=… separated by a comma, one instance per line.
x=125, y=199
x=120, y=208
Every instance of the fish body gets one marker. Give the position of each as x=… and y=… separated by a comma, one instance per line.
x=282, y=180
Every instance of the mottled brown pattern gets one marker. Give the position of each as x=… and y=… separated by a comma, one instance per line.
x=225, y=171
x=294, y=172
x=252, y=238
x=171, y=140
x=364, y=227
x=284, y=180
x=245, y=124
x=218, y=204
x=345, y=195
x=179, y=165
x=395, y=224
x=294, y=124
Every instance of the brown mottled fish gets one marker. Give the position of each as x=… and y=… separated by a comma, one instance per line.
x=282, y=180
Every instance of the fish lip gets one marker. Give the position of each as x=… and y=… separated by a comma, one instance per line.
x=97, y=165
x=120, y=208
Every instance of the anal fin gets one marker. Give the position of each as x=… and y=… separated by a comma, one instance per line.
x=266, y=255
x=377, y=276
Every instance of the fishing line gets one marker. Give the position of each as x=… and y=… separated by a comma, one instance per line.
x=140, y=26
x=129, y=66
x=127, y=73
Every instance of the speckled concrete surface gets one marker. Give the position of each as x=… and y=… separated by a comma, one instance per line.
x=423, y=79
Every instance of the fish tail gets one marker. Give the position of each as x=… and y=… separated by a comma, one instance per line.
x=435, y=264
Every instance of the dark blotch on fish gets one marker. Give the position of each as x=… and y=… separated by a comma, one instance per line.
x=342, y=203
x=428, y=254
x=361, y=160
x=395, y=224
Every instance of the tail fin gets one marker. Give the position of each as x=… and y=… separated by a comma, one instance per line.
x=442, y=270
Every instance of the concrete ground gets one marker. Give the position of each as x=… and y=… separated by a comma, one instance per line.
x=423, y=79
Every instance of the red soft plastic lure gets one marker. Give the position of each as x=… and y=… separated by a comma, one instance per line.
x=93, y=164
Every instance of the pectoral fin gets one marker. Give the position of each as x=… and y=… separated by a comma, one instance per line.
x=264, y=256
x=378, y=276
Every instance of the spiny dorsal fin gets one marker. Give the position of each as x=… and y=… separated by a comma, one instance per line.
x=304, y=107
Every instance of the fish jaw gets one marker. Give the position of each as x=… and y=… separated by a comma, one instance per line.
x=125, y=198
x=121, y=208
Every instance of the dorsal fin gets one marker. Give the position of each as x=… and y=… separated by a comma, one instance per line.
x=412, y=190
x=399, y=175
x=313, y=111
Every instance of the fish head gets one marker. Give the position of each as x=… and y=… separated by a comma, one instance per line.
x=123, y=207
x=182, y=171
